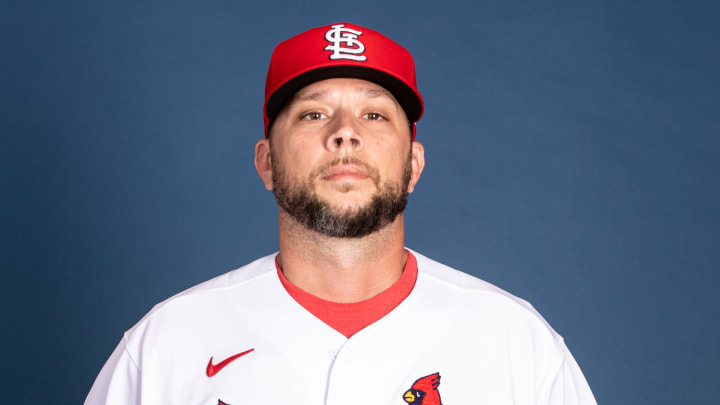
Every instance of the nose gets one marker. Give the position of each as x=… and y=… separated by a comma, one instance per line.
x=344, y=134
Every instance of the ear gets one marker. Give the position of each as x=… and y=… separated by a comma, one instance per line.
x=417, y=164
x=263, y=162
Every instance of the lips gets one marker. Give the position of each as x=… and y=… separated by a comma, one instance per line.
x=344, y=172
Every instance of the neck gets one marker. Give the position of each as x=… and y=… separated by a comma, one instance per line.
x=341, y=269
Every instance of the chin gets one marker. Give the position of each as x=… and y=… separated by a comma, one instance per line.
x=346, y=200
x=348, y=208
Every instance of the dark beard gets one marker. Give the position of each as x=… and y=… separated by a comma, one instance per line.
x=298, y=200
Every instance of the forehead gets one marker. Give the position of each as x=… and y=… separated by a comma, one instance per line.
x=329, y=88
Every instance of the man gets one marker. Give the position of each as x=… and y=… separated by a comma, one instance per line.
x=343, y=314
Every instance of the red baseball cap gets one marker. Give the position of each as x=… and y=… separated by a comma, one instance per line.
x=341, y=50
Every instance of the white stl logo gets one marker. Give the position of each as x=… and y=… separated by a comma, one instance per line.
x=339, y=35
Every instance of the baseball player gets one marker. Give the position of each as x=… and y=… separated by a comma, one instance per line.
x=343, y=314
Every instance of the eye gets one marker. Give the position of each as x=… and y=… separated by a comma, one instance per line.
x=373, y=116
x=313, y=115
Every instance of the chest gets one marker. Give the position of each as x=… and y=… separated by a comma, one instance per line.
x=379, y=365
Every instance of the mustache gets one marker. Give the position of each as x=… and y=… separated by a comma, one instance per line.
x=368, y=170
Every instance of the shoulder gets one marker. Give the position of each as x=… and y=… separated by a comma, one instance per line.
x=488, y=323
x=246, y=274
x=215, y=296
x=472, y=296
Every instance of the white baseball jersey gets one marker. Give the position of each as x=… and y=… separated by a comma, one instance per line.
x=241, y=339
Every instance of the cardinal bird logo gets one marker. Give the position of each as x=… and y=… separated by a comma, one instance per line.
x=424, y=391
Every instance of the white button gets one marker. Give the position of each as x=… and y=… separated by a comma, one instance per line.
x=334, y=353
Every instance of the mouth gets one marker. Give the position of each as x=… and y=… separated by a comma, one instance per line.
x=344, y=173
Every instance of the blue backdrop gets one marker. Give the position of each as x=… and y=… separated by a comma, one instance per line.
x=573, y=159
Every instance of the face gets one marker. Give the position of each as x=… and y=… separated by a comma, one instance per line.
x=340, y=158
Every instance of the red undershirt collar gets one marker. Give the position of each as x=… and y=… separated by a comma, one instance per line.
x=349, y=318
